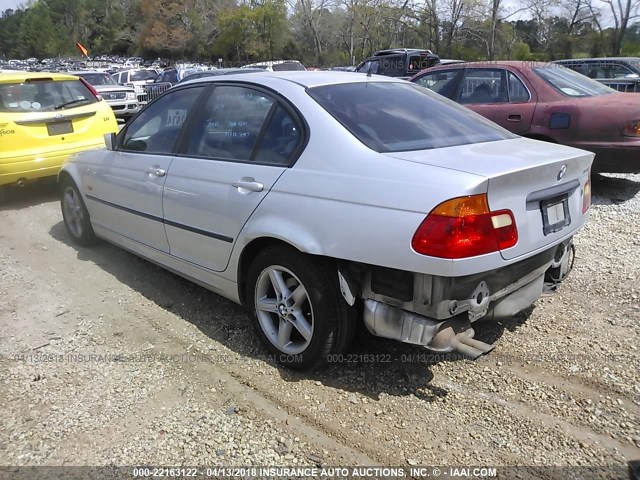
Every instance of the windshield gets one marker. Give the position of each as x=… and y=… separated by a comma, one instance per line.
x=394, y=117
x=97, y=79
x=571, y=83
x=44, y=96
x=143, y=75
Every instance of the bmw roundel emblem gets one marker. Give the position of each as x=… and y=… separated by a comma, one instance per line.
x=563, y=170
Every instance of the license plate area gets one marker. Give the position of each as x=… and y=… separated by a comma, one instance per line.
x=60, y=128
x=555, y=214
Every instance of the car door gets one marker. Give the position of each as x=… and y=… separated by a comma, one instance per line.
x=499, y=95
x=236, y=149
x=125, y=188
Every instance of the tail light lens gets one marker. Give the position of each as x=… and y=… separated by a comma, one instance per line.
x=632, y=129
x=91, y=89
x=586, y=195
x=465, y=227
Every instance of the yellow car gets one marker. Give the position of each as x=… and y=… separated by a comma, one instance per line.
x=44, y=118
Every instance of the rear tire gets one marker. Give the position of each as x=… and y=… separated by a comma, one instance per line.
x=298, y=311
x=75, y=215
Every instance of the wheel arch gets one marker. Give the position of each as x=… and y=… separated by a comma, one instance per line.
x=250, y=251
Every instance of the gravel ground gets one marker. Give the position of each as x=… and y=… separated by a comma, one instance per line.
x=106, y=359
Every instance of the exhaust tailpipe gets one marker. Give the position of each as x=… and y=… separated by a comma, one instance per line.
x=20, y=183
x=457, y=335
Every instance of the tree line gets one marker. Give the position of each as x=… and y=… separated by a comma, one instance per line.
x=322, y=32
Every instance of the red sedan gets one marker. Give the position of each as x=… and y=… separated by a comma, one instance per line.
x=547, y=102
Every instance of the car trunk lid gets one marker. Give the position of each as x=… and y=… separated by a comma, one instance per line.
x=541, y=183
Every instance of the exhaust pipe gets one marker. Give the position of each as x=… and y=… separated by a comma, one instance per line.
x=457, y=335
x=21, y=182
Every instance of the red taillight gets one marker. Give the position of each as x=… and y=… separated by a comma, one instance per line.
x=586, y=195
x=91, y=89
x=465, y=227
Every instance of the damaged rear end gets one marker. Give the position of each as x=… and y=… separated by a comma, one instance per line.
x=503, y=248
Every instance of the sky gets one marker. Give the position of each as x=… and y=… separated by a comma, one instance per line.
x=4, y=4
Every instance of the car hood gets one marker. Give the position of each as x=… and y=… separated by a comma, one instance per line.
x=112, y=88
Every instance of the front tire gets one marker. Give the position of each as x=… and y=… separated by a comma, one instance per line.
x=298, y=311
x=75, y=215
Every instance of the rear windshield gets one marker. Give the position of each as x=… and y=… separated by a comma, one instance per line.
x=395, y=117
x=44, y=96
x=98, y=79
x=143, y=75
x=571, y=83
x=287, y=67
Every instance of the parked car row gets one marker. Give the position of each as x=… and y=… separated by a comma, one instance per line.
x=471, y=219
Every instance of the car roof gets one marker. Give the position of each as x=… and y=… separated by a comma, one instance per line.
x=21, y=76
x=305, y=79
x=82, y=72
x=492, y=63
x=595, y=59
x=392, y=51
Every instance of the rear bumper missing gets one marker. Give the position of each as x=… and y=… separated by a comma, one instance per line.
x=442, y=310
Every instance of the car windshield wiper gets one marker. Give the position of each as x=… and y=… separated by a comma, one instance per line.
x=72, y=102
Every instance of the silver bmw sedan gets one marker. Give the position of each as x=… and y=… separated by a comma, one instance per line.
x=323, y=199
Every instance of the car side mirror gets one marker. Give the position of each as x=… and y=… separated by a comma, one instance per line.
x=110, y=141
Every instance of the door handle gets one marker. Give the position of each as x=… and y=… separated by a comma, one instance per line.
x=514, y=118
x=248, y=185
x=158, y=172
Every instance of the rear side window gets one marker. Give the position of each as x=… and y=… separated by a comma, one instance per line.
x=392, y=66
x=233, y=118
x=418, y=62
x=44, y=96
x=280, y=139
x=395, y=116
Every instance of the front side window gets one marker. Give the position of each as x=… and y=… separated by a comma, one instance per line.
x=442, y=82
x=44, y=96
x=370, y=66
x=401, y=116
x=157, y=127
x=571, y=83
x=232, y=119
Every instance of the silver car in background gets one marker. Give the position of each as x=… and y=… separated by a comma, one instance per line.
x=122, y=100
x=319, y=200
